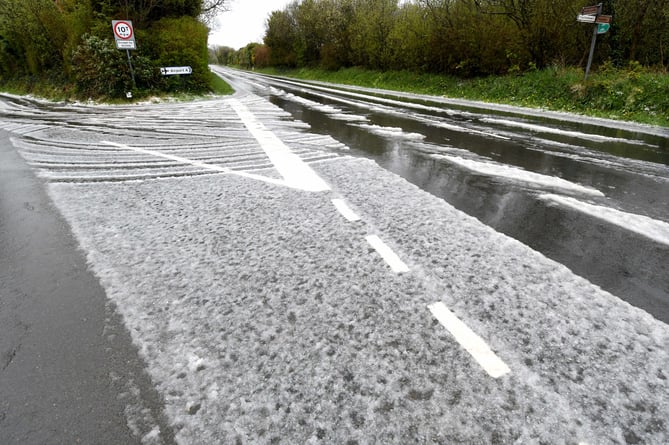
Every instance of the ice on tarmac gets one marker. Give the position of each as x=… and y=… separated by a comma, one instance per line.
x=650, y=228
x=392, y=132
x=518, y=174
x=332, y=111
x=557, y=131
x=312, y=104
x=265, y=317
x=261, y=316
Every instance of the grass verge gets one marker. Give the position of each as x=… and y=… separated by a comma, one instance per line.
x=59, y=90
x=220, y=86
x=633, y=94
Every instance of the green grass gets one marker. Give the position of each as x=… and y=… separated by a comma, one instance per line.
x=633, y=94
x=220, y=86
x=59, y=90
x=53, y=89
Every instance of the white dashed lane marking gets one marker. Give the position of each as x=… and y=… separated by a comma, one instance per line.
x=472, y=343
x=390, y=257
x=469, y=340
x=345, y=210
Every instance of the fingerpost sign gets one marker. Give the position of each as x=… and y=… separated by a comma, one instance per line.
x=603, y=23
x=593, y=14
x=172, y=70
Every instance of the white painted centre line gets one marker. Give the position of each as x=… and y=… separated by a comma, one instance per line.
x=472, y=343
x=345, y=210
x=390, y=257
x=296, y=173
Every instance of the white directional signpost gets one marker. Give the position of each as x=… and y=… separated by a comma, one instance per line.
x=124, y=35
x=588, y=14
x=593, y=14
x=173, y=70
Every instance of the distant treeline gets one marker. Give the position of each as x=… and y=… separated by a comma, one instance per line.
x=460, y=37
x=71, y=43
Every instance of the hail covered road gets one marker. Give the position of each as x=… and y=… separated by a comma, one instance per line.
x=278, y=287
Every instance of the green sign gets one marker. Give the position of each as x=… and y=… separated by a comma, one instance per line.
x=602, y=28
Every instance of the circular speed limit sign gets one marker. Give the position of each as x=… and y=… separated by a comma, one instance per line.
x=123, y=30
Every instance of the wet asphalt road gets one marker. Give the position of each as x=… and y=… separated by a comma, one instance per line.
x=262, y=313
x=66, y=360
x=408, y=134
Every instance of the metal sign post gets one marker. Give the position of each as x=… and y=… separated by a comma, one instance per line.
x=124, y=35
x=594, y=40
x=593, y=14
x=132, y=71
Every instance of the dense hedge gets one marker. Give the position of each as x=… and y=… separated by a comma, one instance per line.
x=71, y=42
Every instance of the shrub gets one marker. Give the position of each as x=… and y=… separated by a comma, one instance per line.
x=99, y=68
x=179, y=42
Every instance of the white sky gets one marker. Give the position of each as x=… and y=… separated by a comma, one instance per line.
x=244, y=22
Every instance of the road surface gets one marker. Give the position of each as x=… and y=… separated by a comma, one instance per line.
x=280, y=289
x=505, y=165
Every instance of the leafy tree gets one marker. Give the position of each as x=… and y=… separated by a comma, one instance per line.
x=34, y=33
x=245, y=57
x=641, y=31
x=371, y=30
x=222, y=55
x=144, y=12
x=311, y=32
x=261, y=56
x=336, y=19
x=281, y=37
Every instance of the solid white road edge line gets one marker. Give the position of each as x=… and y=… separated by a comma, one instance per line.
x=472, y=343
x=345, y=210
x=195, y=163
x=294, y=170
x=390, y=257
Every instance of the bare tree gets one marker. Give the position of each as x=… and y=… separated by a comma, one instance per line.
x=210, y=8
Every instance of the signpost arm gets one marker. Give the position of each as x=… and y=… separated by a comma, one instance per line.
x=592, y=45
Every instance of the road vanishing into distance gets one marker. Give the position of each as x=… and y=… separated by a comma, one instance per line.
x=319, y=264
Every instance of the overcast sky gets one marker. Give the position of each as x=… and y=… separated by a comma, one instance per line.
x=244, y=22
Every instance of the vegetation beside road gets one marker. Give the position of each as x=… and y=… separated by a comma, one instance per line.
x=59, y=90
x=529, y=53
x=66, y=48
x=633, y=94
x=463, y=38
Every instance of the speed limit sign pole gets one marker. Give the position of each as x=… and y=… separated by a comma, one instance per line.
x=132, y=71
x=124, y=35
